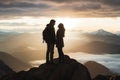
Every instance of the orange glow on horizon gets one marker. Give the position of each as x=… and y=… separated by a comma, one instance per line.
x=86, y=24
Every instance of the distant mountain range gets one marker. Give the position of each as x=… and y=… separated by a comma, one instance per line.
x=18, y=39
x=102, y=32
x=28, y=54
x=103, y=36
x=13, y=62
x=19, y=44
x=100, y=41
x=100, y=47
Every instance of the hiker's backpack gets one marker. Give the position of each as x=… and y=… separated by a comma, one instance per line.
x=45, y=34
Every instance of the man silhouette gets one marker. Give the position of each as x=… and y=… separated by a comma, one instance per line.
x=50, y=40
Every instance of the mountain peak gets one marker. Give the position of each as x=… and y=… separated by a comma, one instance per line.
x=102, y=32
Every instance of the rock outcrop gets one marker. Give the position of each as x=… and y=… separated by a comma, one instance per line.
x=69, y=70
x=4, y=69
x=107, y=77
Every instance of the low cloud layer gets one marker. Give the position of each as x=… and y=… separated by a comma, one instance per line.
x=53, y=8
x=111, y=61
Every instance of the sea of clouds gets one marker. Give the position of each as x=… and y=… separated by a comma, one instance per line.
x=111, y=61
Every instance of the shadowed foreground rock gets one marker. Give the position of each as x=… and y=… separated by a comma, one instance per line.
x=69, y=70
x=4, y=69
x=107, y=77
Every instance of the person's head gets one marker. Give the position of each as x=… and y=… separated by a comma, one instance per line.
x=62, y=29
x=52, y=22
x=61, y=26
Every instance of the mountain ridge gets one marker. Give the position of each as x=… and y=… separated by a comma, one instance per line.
x=102, y=32
x=16, y=65
x=96, y=69
x=100, y=48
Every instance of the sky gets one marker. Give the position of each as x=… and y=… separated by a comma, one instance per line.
x=75, y=14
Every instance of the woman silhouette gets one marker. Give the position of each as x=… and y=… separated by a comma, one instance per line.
x=60, y=42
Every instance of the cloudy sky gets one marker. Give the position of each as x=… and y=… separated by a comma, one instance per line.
x=74, y=8
x=38, y=9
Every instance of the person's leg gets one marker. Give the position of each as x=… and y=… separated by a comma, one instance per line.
x=51, y=52
x=61, y=55
x=47, y=53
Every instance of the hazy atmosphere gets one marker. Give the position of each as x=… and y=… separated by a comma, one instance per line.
x=92, y=30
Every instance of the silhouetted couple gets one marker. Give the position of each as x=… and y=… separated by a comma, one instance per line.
x=51, y=39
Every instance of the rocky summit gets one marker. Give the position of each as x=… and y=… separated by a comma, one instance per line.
x=70, y=69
